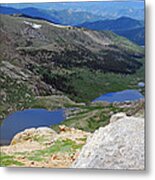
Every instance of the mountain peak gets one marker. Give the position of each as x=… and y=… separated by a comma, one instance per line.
x=125, y=18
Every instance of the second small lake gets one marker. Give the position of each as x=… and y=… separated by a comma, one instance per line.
x=121, y=96
x=29, y=118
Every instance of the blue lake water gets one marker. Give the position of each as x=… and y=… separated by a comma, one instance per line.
x=29, y=118
x=121, y=96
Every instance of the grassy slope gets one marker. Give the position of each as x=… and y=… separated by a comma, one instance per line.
x=13, y=96
x=91, y=117
x=80, y=84
x=100, y=83
x=84, y=85
x=8, y=160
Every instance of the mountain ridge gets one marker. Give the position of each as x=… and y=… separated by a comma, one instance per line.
x=114, y=24
x=109, y=9
x=39, y=58
x=65, y=17
x=123, y=26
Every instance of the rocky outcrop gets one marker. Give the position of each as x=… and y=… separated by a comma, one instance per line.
x=119, y=145
x=43, y=147
x=117, y=116
x=43, y=134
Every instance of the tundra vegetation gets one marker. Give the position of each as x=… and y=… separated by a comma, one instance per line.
x=55, y=67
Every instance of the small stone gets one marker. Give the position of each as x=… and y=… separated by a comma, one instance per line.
x=117, y=116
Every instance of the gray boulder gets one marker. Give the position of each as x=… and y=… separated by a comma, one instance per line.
x=119, y=145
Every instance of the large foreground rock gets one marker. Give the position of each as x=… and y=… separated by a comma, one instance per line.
x=120, y=145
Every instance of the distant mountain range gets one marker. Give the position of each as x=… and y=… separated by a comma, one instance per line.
x=123, y=23
x=136, y=35
x=124, y=26
x=31, y=12
x=65, y=17
x=130, y=28
x=70, y=17
x=133, y=9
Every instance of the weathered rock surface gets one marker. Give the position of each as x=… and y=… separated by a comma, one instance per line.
x=117, y=116
x=119, y=145
x=34, y=134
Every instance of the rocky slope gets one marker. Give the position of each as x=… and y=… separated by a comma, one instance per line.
x=29, y=46
x=38, y=58
x=97, y=114
x=119, y=145
x=43, y=147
